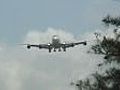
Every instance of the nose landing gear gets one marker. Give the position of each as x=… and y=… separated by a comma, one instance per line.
x=59, y=50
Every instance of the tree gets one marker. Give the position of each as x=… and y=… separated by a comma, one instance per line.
x=110, y=48
x=111, y=20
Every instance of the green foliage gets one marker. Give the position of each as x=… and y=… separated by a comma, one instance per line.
x=111, y=20
x=110, y=48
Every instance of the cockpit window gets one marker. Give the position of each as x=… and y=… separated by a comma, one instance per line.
x=55, y=37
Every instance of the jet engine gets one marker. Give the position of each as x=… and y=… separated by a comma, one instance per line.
x=40, y=47
x=49, y=47
x=85, y=43
x=72, y=45
x=28, y=46
x=64, y=47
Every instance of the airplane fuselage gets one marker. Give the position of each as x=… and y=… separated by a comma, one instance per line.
x=56, y=42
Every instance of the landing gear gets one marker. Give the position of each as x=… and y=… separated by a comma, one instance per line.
x=64, y=49
x=59, y=50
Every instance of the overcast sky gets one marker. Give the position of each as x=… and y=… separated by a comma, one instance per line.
x=35, y=21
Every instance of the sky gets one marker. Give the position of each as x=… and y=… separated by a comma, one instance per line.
x=76, y=16
x=35, y=21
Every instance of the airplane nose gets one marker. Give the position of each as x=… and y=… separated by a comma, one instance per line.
x=55, y=37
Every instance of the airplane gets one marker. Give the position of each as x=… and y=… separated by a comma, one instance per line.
x=55, y=44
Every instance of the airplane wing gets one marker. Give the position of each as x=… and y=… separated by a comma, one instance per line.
x=40, y=46
x=67, y=45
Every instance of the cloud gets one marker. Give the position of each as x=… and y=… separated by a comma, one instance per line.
x=43, y=37
x=23, y=69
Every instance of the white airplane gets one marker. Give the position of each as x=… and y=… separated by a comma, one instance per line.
x=55, y=44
